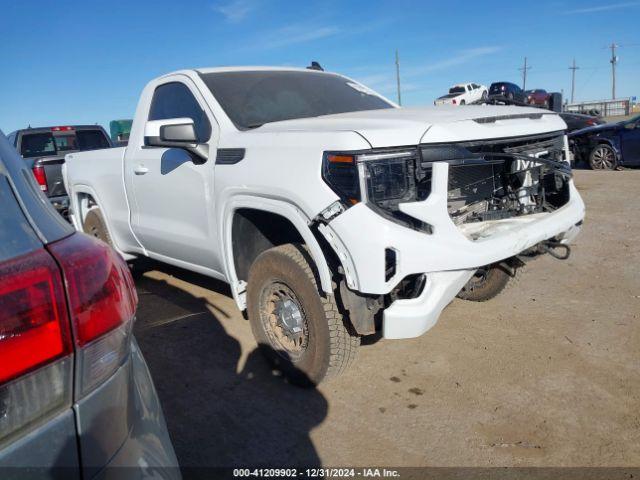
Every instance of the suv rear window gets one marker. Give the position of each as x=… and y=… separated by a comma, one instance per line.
x=53, y=143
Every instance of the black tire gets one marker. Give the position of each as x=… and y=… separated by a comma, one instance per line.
x=462, y=102
x=485, y=95
x=283, y=276
x=510, y=95
x=95, y=226
x=487, y=283
x=603, y=157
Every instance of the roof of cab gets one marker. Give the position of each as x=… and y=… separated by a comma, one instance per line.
x=206, y=70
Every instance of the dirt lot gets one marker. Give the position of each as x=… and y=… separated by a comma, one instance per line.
x=545, y=375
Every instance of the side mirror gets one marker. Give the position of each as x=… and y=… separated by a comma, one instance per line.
x=175, y=133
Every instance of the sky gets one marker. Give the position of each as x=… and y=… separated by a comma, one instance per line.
x=72, y=62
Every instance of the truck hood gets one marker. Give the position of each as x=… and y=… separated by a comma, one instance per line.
x=410, y=126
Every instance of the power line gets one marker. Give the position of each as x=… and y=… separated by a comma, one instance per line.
x=614, y=61
x=398, y=77
x=589, y=78
x=573, y=69
x=524, y=74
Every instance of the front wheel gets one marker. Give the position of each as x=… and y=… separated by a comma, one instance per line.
x=95, y=226
x=301, y=333
x=603, y=157
x=487, y=283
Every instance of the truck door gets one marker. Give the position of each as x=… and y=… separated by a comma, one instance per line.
x=173, y=211
x=630, y=140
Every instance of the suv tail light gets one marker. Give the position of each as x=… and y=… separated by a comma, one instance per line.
x=102, y=303
x=36, y=334
x=41, y=177
x=35, y=342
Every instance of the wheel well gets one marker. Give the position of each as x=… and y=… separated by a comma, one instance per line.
x=253, y=232
x=86, y=202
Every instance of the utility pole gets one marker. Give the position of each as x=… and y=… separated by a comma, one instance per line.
x=524, y=74
x=398, y=77
x=573, y=69
x=614, y=60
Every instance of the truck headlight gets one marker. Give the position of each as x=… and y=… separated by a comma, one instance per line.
x=387, y=177
x=381, y=179
x=340, y=172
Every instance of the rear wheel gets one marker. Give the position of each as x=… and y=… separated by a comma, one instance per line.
x=95, y=226
x=462, y=102
x=300, y=332
x=603, y=157
x=487, y=283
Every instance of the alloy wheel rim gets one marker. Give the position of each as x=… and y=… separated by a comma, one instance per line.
x=284, y=321
x=603, y=158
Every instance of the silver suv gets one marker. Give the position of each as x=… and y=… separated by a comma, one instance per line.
x=76, y=397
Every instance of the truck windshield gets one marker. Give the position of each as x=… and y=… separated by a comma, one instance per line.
x=253, y=98
x=44, y=144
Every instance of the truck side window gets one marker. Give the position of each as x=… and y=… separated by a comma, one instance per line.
x=175, y=100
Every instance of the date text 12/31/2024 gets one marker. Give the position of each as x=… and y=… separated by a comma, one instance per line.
x=316, y=473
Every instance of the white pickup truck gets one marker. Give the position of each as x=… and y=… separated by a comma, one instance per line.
x=331, y=212
x=463, y=94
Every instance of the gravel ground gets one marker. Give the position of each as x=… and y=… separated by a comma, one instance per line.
x=547, y=374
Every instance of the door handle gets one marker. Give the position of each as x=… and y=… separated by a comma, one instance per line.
x=140, y=170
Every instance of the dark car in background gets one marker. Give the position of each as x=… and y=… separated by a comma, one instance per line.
x=538, y=97
x=508, y=90
x=608, y=146
x=44, y=149
x=76, y=396
x=578, y=121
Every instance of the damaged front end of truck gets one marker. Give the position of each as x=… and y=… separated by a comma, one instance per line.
x=415, y=224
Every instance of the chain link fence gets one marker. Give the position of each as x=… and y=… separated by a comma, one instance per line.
x=603, y=108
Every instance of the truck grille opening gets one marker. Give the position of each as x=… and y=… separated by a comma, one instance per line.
x=504, y=178
x=488, y=180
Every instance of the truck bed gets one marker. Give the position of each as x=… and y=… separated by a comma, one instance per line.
x=103, y=167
